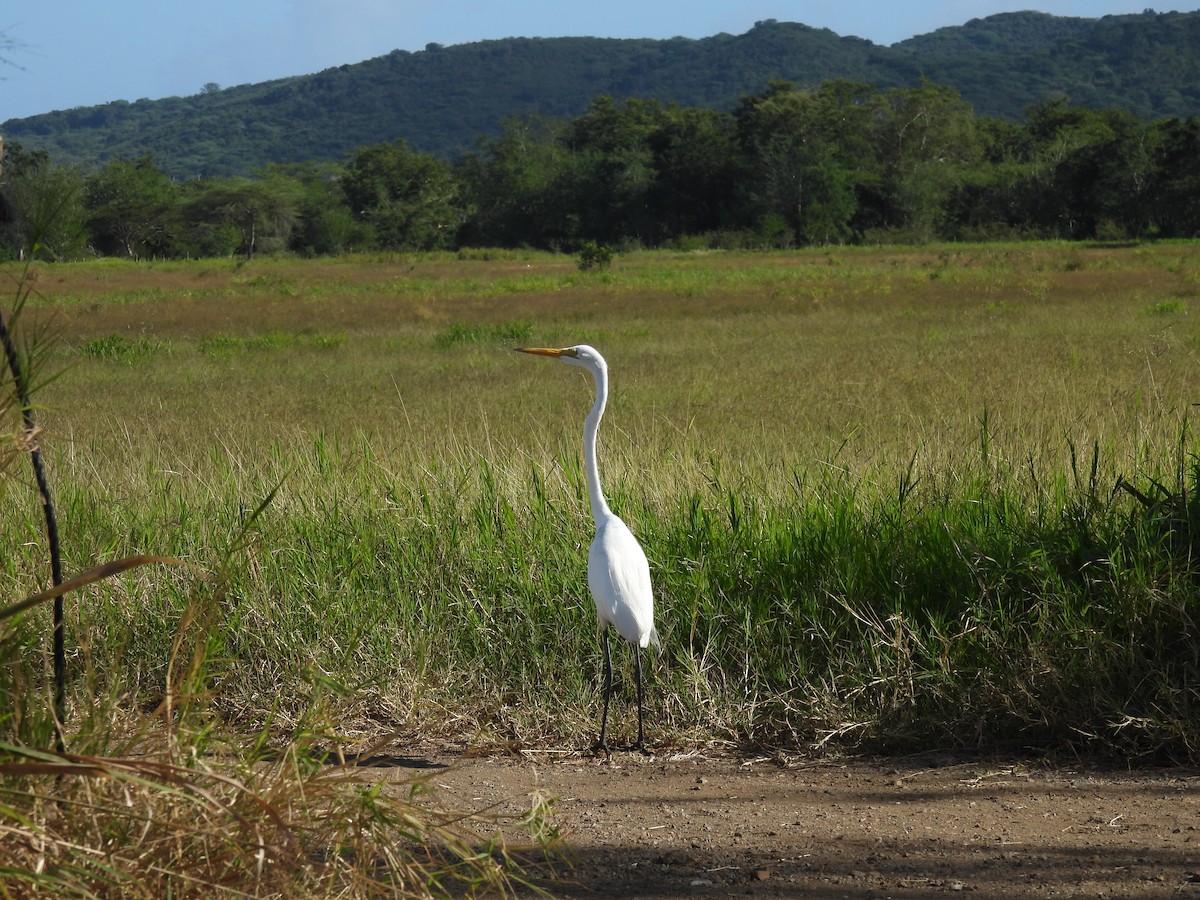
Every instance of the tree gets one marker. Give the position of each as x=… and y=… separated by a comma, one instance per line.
x=519, y=186
x=133, y=209
x=613, y=169
x=324, y=225
x=1055, y=133
x=801, y=162
x=1107, y=180
x=43, y=212
x=987, y=203
x=242, y=215
x=695, y=159
x=925, y=140
x=1175, y=193
x=409, y=199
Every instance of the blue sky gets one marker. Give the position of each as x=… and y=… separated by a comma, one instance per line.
x=59, y=55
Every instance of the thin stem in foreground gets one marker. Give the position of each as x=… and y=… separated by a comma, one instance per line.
x=21, y=384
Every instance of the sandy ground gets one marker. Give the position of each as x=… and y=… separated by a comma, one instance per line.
x=687, y=823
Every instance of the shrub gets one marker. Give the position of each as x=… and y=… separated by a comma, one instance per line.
x=594, y=257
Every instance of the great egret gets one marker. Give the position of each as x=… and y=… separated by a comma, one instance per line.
x=618, y=574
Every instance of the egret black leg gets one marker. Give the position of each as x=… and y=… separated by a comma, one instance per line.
x=637, y=658
x=602, y=744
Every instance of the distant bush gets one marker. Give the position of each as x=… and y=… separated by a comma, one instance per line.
x=594, y=257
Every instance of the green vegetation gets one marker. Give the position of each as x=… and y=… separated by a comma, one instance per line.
x=593, y=256
x=149, y=793
x=840, y=164
x=892, y=498
x=443, y=98
x=117, y=347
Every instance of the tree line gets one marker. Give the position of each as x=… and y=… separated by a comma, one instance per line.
x=788, y=166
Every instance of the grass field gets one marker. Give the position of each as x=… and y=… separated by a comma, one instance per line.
x=893, y=499
x=877, y=487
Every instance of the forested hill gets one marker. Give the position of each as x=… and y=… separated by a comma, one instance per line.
x=443, y=98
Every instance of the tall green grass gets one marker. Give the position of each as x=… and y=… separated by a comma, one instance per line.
x=154, y=794
x=992, y=607
x=879, y=492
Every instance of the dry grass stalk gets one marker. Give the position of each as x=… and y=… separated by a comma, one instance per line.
x=79, y=825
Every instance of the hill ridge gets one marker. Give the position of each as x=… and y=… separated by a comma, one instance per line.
x=441, y=99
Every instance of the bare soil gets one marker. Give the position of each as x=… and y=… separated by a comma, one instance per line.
x=688, y=823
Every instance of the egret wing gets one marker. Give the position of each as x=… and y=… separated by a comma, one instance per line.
x=619, y=578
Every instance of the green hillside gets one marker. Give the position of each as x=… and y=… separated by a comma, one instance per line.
x=443, y=98
x=1148, y=64
x=1012, y=33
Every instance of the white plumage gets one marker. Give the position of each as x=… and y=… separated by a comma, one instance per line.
x=618, y=574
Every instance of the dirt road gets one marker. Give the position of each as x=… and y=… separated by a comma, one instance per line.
x=697, y=824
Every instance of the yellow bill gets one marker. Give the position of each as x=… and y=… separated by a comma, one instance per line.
x=547, y=351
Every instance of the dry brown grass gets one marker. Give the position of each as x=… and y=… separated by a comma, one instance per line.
x=159, y=821
x=854, y=357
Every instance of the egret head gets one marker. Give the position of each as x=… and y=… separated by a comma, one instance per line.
x=581, y=355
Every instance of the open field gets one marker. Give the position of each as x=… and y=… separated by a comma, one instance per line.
x=851, y=357
x=894, y=500
x=855, y=472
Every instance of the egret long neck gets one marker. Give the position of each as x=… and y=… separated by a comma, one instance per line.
x=591, y=425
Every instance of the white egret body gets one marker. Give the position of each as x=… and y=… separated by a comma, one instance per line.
x=618, y=574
